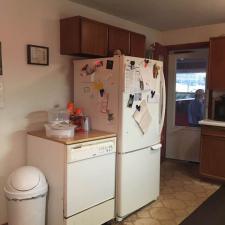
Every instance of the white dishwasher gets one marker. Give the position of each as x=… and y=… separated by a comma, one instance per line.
x=90, y=182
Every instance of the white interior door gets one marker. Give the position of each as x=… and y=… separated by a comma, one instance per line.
x=183, y=141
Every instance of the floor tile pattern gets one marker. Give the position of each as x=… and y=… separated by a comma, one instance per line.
x=181, y=191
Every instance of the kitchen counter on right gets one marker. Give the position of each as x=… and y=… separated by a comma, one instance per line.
x=209, y=122
x=212, y=153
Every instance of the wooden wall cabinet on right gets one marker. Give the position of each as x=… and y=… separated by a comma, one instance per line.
x=212, y=157
x=216, y=76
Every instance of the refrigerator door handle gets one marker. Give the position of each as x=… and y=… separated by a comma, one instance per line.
x=156, y=147
x=163, y=104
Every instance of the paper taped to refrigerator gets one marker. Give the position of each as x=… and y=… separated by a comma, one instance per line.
x=143, y=117
x=132, y=80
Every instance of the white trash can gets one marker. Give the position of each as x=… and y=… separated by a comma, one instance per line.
x=26, y=191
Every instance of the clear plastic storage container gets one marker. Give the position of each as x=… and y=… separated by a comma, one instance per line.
x=60, y=130
x=57, y=116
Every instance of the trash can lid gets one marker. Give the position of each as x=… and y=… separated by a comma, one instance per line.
x=25, y=178
x=26, y=182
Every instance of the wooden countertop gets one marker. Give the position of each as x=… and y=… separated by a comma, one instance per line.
x=214, y=123
x=78, y=137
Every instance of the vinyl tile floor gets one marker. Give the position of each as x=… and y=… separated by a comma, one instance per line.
x=181, y=192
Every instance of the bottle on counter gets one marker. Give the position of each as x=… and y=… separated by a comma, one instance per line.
x=86, y=124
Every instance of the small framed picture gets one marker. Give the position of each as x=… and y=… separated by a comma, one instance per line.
x=37, y=55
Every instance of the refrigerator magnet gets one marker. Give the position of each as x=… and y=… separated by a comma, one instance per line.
x=87, y=70
x=130, y=101
x=132, y=64
x=101, y=91
x=109, y=64
x=141, y=85
x=98, y=63
x=110, y=116
x=138, y=107
x=146, y=61
x=156, y=69
x=152, y=94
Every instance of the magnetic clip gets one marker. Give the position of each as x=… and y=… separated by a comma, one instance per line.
x=152, y=93
x=132, y=63
x=141, y=85
x=101, y=91
x=138, y=107
x=146, y=62
x=130, y=101
x=110, y=116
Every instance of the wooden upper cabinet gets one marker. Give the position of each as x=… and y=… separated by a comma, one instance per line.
x=216, y=79
x=81, y=36
x=84, y=37
x=118, y=39
x=70, y=40
x=94, y=37
x=137, y=45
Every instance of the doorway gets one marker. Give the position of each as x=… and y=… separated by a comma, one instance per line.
x=187, y=74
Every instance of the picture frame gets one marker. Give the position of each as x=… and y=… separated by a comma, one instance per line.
x=37, y=55
x=1, y=71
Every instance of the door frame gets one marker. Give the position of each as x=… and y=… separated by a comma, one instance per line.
x=175, y=132
x=163, y=50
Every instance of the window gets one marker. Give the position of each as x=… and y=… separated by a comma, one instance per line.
x=190, y=83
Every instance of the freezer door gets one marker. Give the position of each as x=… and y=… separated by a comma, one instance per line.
x=131, y=135
x=137, y=179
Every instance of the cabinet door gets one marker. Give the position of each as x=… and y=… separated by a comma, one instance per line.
x=137, y=45
x=70, y=36
x=213, y=155
x=119, y=39
x=217, y=63
x=94, y=36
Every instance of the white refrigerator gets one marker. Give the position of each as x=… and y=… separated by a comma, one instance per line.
x=126, y=95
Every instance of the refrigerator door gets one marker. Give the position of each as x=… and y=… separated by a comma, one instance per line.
x=131, y=135
x=137, y=179
x=96, y=91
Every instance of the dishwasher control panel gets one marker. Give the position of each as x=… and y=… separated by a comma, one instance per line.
x=86, y=150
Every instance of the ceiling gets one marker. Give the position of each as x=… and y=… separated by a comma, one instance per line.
x=163, y=14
